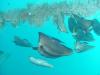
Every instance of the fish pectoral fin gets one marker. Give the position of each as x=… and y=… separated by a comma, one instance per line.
x=56, y=40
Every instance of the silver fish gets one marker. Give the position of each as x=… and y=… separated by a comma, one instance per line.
x=50, y=47
x=40, y=62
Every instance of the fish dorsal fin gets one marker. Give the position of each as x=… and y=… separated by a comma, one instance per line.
x=56, y=40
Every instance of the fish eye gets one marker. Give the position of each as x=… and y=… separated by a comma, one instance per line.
x=41, y=46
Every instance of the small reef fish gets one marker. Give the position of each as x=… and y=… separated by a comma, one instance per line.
x=80, y=28
x=52, y=47
x=48, y=46
x=79, y=22
x=40, y=62
x=82, y=36
x=22, y=42
x=82, y=46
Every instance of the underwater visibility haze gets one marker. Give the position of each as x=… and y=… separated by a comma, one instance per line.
x=49, y=37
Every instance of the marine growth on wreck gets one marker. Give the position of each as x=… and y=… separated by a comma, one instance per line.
x=38, y=14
